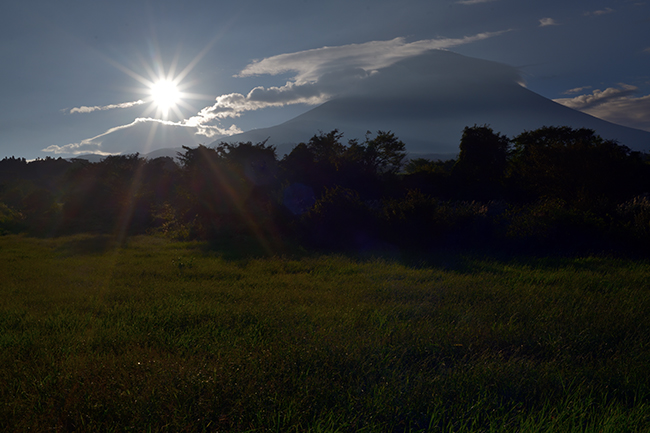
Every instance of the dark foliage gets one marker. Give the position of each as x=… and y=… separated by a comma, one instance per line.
x=340, y=219
x=324, y=162
x=230, y=191
x=577, y=166
x=554, y=187
x=429, y=177
x=482, y=163
x=552, y=224
x=422, y=221
x=109, y=196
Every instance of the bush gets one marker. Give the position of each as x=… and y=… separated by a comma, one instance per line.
x=633, y=219
x=339, y=219
x=552, y=223
x=421, y=221
x=11, y=221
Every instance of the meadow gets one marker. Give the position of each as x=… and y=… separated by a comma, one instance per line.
x=156, y=335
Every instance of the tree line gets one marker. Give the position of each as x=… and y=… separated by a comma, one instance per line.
x=554, y=187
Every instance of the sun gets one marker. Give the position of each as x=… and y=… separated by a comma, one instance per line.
x=164, y=88
x=165, y=95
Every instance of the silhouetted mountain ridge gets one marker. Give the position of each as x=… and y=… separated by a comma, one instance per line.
x=171, y=152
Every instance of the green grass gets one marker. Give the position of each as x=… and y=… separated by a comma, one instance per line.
x=161, y=336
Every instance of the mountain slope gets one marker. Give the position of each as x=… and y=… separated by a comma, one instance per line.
x=428, y=100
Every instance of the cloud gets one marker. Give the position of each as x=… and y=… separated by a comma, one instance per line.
x=311, y=93
x=617, y=105
x=647, y=50
x=321, y=73
x=576, y=90
x=84, y=109
x=598, y=97
x=600, y=12
x=312, y=64
x=145, y=131
x=545, y=22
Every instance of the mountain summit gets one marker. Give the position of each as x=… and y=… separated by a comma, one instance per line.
x=428, y=100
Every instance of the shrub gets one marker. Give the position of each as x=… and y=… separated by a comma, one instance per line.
x=420, y=221
x=552, y=223
x=339, y=219
x=633, y=219
x=11, y=221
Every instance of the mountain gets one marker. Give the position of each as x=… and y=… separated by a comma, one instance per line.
x=171, y=152
x=428, y=100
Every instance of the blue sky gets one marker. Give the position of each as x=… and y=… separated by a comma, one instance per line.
x=74, y=73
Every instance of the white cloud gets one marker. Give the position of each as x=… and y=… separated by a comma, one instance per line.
x=617, y=105
x=576, y=90
x=88, y=145
x=370, y=56
x=321, y=73
x=108, y=143
x=545, y=22
x=84, y=109
x=598, y=97
x=600, y=12
x=311, y=93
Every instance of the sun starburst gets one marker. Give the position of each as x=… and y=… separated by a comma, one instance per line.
x=165, y=95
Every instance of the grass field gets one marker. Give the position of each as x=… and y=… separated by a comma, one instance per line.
x=161, y=336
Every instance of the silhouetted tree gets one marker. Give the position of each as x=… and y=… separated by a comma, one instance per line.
x=482, y=162
x=161, y=177
x=298, y=165
x=107, y=196
x=12, y=168
x=230, y=189
x=577, y=166
x=384, y=154
x=257, y=162
x=325, y=162
x=326, y=154
x=371, y=167
x=566, y=188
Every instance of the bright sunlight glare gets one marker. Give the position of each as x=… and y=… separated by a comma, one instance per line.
x=165, y=94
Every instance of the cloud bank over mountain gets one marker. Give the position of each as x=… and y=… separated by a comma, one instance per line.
x=427, y=101
x=322, y=73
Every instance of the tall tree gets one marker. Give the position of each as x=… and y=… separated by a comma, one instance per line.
x=229, y=189
x=482, y=162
